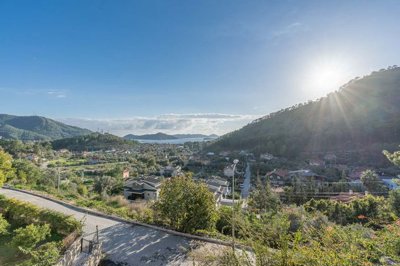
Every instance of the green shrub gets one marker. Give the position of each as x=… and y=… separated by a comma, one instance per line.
x=82, y=190
x=21, y=213
x=45, y=255
x=371, y=210
x=4, y=225
x=186, y=205
x=394, y=201
x=28, y=237
x=59, y=222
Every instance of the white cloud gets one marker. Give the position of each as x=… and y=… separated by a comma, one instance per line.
x=201, y=123
x=57, y=93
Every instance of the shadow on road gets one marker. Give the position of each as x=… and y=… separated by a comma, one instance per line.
x=137, y=245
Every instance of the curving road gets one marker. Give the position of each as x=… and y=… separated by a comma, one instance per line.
x=123, y=243
x=246, y=183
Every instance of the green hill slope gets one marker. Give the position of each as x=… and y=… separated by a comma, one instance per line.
x=157, y=136
x=355, y=123
x=36, y=128
x=93, y=142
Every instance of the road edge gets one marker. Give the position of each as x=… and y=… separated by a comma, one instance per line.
x=119, y=219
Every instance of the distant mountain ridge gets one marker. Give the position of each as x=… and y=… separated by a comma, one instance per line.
x=36, y=128
x=163, y=136
x=355, y=123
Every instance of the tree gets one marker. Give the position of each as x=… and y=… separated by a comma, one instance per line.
x=103, y=185
x=4, y=225
x=45, y=255
x=186, y=205
x=26, y=172
x=82, y=190
x=372, y=182
x=26, y=238
x=48, y=178
x=117, y=186
x=393, y=157
x=394, y=201
x=6, y=169
x=263, y=199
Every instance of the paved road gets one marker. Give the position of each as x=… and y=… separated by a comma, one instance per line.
x=246, y=183
x=122, y=242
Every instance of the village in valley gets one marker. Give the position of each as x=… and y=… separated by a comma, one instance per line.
x=142, y=169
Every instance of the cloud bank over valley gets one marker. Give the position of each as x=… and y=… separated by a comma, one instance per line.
x=202, y=123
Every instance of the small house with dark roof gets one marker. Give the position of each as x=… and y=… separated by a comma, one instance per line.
x=278, y=177
x=171, y=171
x=219, y=187
x=147, y=188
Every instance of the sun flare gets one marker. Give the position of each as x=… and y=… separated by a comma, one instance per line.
x=325, y=76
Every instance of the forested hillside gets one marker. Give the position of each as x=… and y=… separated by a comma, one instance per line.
x=157, y=136
x=36, y=128
x=93, y=142
x=163, y=136
x=356, y=123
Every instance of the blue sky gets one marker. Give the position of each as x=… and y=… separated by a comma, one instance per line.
x=184, y=66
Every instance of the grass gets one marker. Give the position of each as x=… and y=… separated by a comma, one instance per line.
x=63, y=162
x=93, y=166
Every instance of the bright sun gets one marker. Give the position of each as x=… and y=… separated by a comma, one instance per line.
x=325, y=76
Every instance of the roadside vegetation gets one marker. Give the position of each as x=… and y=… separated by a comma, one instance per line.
x=33, y=236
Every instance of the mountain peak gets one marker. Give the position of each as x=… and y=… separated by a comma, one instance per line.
x=36, y=128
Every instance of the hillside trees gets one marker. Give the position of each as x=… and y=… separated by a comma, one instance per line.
x=394, y=195
x=103, y=185
x=393, y=157
x=186, y=205
x=45, y=255
x=6, y=169
x=26, y=238
x=26, y=172
x=93, y=142
x=4, y=225
x=361, y=118
x=263, y=199
x=372, y=182
x=370, y=209
x=394, y=200
x=36, y=128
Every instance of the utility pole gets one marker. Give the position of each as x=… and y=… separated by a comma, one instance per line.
x=58, y=179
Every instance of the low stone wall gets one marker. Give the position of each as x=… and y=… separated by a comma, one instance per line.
x=74, y=251
x=94, y=258
x=71, y=253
